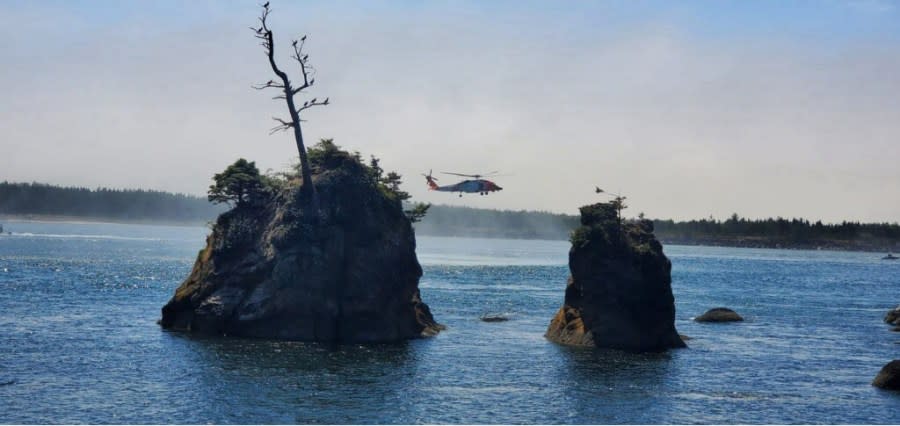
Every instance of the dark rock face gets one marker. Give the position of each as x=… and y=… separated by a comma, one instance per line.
x=719, y=315
x=889, y=376
x=619, y=294
x=347, y=274
x=893, y=316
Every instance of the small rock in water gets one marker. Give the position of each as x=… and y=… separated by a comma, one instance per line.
x=893, y=316
x=494, y=318
x=889, y=376
x=719, y=315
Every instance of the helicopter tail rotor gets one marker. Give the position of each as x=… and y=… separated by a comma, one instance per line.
x=429, y=176
x=430, y=181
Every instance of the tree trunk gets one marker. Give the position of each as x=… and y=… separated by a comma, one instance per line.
x=306, y=173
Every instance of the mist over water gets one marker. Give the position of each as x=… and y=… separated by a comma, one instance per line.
x=79, y=343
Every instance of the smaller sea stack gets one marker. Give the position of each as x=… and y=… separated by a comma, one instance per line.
x=619, y=295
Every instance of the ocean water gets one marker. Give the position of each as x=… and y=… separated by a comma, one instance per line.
x=79, y=341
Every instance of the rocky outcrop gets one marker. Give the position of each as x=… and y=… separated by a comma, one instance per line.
x=619, y=294
x=345, y=273
x=889, y=376
x=893, y=316
x=719, y=315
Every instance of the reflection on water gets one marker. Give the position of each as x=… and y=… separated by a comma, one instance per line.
x=615, y=386
x=248, y=378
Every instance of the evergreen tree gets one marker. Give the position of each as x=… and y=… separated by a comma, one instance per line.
x=240, y=183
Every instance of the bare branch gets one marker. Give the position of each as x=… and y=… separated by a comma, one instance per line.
x=268, y=84
x=282, y=126
x=312, y=103
x=265, y=34
x=302, y=59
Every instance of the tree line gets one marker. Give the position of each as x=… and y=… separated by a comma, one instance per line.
x=781, y=232
x=104, y=203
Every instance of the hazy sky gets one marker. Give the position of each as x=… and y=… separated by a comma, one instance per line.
x=690, y=109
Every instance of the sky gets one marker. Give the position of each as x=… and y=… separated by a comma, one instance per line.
x=690, y=109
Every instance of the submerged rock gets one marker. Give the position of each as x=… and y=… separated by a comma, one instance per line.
x=347, y=273
x=719, y=315
x=619, y=294
x=889, y=376
x=893, y=316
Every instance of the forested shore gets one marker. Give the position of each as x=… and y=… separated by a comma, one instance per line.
x=779, y=232
x=734, y=231
x=48, y=202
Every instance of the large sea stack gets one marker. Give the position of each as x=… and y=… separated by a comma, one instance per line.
x=345, y=273
x=619, y=294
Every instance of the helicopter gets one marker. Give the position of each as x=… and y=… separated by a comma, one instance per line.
x=476, y=184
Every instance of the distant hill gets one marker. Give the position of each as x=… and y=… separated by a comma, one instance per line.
x=129, y=205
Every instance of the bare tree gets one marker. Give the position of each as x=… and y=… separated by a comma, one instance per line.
x=289, y=92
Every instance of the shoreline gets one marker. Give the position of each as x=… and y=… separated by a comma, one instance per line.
x=736, y=242
x=40, y=218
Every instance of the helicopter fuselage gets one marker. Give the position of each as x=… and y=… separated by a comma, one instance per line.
x=481, y=186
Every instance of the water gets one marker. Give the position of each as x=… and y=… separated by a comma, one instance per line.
x=79, y=343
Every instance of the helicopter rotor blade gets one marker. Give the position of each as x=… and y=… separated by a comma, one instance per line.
x=460, y=174
x=476, y=176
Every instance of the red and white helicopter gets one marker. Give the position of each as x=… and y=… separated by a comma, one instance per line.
x=476, y=184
